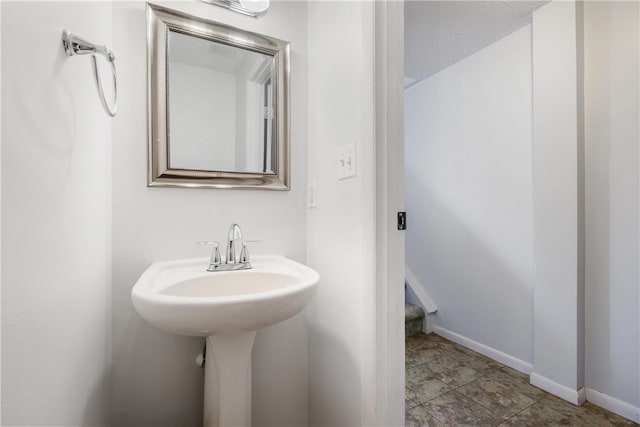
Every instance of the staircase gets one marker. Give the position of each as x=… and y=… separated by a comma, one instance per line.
x=413, y=318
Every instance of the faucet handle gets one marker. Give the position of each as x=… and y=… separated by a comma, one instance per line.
x=215, y=253
x=244, y=253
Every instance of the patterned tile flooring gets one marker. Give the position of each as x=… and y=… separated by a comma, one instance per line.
x=450, y=385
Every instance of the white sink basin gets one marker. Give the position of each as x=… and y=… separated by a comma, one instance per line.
x=181, y=297
x=227, y=307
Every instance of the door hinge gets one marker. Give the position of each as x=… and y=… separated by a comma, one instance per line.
x=402, y=220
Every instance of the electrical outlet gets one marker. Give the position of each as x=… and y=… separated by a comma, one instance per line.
x=346, y=161
x=311, y=195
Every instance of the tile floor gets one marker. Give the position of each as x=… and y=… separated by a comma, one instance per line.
x=450, y=385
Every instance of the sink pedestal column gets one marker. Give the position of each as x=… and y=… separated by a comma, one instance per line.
x=227, y=380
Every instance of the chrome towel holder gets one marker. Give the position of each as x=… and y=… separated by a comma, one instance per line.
x=74, y=45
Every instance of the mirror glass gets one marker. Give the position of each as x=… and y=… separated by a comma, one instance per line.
x=218, y=104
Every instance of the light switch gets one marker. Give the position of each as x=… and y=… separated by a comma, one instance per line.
x=346, y=161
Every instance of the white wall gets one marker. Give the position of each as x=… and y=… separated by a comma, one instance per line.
x=612, y=187
x=468, y=181
x=341, y=228
x=203, y=118
x=156, y=382
x=56, y=224
x=557, y=160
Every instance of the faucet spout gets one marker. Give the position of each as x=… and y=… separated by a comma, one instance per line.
x=232, y=261
x=234, y=235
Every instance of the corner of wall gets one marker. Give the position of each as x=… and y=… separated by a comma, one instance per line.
x=557, y=198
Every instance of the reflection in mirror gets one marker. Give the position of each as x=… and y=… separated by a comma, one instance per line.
x=218, y=104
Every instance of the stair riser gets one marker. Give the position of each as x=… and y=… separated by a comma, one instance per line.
x=412, y=327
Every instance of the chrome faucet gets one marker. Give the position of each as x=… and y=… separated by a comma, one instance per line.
x=234, y=234
x=231, y=261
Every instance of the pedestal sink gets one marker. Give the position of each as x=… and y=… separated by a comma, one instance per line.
x=227, y=308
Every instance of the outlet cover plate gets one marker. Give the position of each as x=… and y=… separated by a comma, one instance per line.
x=311, y=195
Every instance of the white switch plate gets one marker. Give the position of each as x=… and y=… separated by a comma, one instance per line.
x=346, y=161
x=311, y=195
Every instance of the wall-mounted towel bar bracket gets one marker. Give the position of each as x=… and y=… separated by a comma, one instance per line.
x=74, y=45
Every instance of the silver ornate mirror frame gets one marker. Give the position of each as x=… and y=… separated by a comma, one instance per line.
x=159, y=21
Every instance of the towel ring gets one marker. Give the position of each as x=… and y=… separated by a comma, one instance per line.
x=74, y=45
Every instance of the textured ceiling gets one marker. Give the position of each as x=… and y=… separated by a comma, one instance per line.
x=440, y=33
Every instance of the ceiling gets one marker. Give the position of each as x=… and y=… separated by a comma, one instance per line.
x=440, y=33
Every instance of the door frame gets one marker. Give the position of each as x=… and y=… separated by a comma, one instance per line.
x=389, y=163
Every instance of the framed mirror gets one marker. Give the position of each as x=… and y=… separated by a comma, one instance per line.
x=218, y=104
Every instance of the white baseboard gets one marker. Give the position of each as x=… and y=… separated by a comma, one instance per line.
x=577, y=397
x=614, y=405
x=497, y=355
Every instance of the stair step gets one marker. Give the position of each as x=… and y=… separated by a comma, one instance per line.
x=412, y=312
x=413, y=316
